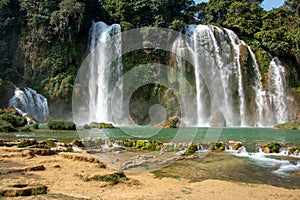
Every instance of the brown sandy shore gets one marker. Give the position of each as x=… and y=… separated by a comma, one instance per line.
x=66, y=176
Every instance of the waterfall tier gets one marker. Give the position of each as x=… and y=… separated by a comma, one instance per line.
x=28, y=101
x=227, y=83
x=104, y=71
x=227, y=78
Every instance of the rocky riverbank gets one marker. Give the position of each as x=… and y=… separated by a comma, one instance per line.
x=84, y=176
x=56, y=170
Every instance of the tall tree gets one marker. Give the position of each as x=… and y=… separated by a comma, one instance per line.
x=244, y=17
x=67, y=20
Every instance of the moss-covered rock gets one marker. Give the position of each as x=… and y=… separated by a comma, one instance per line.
x=100, y=125
x=77, y=143
x=61, y=125
x=170, y=123
x=113, y=178
x=27, y=143
x=50, y=143
x=273, y=147
x=293, y=125
x=218, y=146
x=190, y=150
x=237, y=146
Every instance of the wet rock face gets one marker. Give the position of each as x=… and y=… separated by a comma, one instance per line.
x=218, y=120
x=170, y=123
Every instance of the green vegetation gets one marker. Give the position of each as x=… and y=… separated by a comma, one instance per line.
x=100, y=125
x=290, y=125
x=237, y=146
x=218, y=146
x=35, y=126
x=293, y=149
x=276, y=31
x=27, y=143
x=25, y=129
x=61, y=125
x=7, y=127
x=113, y=179
x=45, y=41
x=50, y=143
x=172, y=123
x=10, y=120
x=273, y=147
x=16, y=121
x=77, y=143
x=150, y=145
x=191, y=150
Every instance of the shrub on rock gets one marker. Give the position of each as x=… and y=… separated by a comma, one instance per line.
x=35, y=126
x=219, y=146
x=61, y=125
x=14, y=120
x=237, y=146
x=170, y=123
x=77, y=143
x=101, y=125
x=191, y=150
x=7, y=127
x=273, y=147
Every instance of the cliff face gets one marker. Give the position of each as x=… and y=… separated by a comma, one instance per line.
x=42, y=47
x=209, y=70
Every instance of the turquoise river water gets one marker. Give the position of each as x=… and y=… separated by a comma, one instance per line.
x=249, y=166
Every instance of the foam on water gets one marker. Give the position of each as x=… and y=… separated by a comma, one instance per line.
x=267, y=160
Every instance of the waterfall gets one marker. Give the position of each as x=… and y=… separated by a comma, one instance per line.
x=220, y=85
x=277, y=91
x=28, y=101
x=262, y=105
x=236, y=42
x=221, y=62
x=103, y=73
x=215, y=55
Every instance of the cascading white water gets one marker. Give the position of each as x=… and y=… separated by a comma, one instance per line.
x=103, y=73
x=277, y=91
x=180, y=48
x=28, y=101
x=236, y=42
x=261, y=101
x=215, y=56
x=220, y=85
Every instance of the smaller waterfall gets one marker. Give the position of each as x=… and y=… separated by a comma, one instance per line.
x=104, y=71
x=236, y=42
x=277, y=91
x=262, y=105
x=28, y=101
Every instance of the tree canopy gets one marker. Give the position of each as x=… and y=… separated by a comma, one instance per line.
x=45, y=40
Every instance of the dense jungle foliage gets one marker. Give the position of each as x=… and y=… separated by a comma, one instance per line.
x=43, y=43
